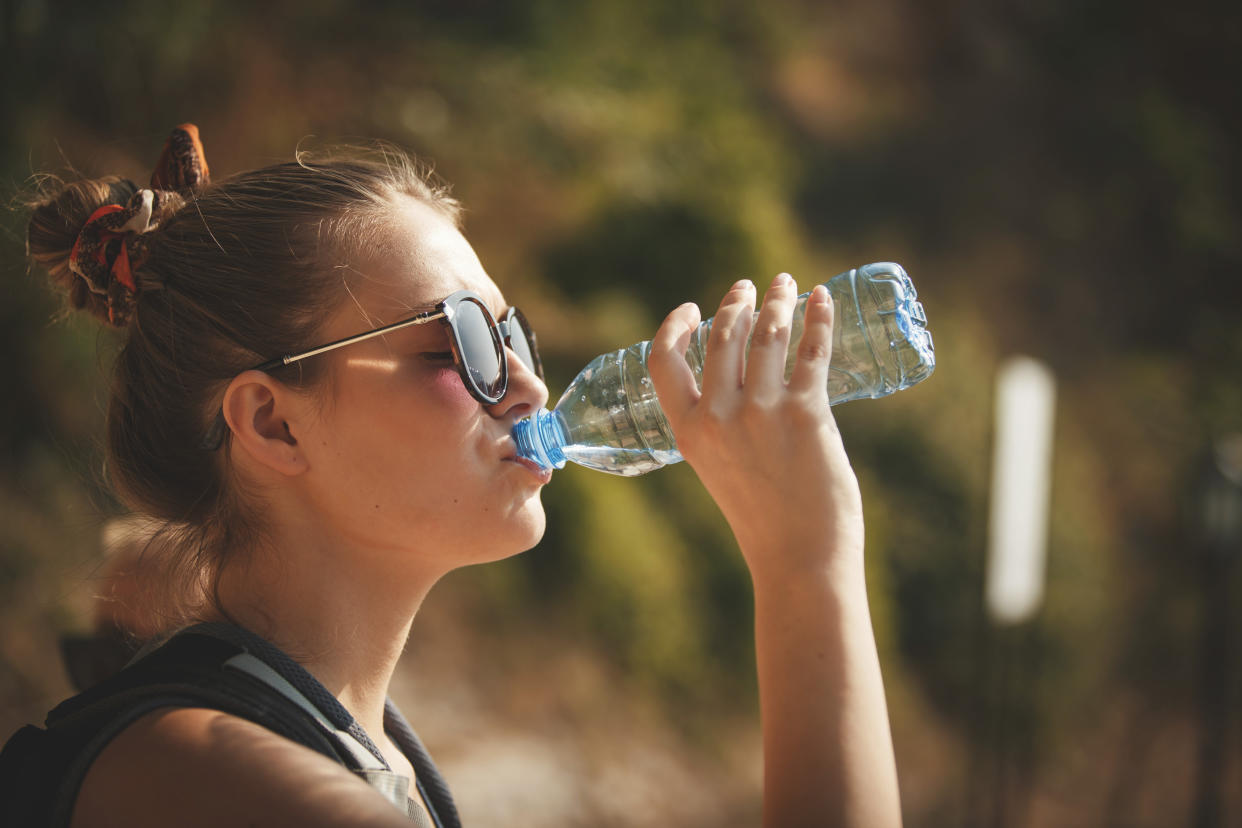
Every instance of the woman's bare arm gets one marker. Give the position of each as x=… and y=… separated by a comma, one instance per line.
x=770, y=455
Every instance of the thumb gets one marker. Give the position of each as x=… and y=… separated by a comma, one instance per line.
x=666, y=362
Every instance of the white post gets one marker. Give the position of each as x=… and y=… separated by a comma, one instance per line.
x=1021, y=483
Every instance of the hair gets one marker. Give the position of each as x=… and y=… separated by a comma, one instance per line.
x=238, y=272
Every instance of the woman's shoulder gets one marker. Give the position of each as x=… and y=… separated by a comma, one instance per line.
x=196, y=766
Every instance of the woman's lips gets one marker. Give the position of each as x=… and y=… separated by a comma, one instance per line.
x=534, y=468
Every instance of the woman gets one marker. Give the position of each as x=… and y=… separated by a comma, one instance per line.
x=315, y=500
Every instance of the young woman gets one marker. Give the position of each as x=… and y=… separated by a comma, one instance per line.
x=311, y=496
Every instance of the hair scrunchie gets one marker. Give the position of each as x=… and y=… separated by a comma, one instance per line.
x=100, y=255
x=110, y=247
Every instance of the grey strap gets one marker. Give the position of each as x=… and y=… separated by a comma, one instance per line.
x=247, y=663
x=392, y=786
x=419, y=814
x=275, y=669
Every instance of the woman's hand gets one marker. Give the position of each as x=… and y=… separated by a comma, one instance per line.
x=768, y=452
x=770, y=455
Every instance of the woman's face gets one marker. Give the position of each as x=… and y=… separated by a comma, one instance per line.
x=403, y=458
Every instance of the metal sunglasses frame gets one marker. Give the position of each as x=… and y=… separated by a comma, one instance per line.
x=446, y=310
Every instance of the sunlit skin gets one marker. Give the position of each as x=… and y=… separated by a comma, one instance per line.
x=401, y=463
x=391, y=475
x=387, y=481
x=771, y=456
x=374, y=487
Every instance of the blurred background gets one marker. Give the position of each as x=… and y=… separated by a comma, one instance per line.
x=1060, y=179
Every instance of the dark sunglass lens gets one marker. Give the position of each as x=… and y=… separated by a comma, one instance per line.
x=520, y=342
x=479, y=349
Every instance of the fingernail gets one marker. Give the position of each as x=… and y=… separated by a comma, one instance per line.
x=742, y=283
x=782, y=279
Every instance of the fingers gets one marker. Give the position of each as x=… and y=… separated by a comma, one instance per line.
x=666, y=362
x=810, y=374
x=728, y=372
x=724, y=363
x=769, y=342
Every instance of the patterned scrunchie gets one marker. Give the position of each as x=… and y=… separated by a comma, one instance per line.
x=111, y=246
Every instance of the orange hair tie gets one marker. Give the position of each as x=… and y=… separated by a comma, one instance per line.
x=100, y=254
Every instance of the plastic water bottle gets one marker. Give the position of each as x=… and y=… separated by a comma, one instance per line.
x=610, y=418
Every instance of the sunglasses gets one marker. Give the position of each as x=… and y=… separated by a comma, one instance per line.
x=476, y=339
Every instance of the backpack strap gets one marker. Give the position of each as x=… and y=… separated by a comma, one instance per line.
x=334, y=718
x=427, y=778
x=360, y=757
x=214, y=666
x=43, y=769
x=312, y=696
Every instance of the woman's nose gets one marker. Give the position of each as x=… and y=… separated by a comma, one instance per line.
x=527, y=392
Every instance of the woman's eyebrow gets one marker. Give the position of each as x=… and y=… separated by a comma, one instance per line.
x=422, y=307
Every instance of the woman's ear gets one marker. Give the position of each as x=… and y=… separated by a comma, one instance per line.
x=264, y=415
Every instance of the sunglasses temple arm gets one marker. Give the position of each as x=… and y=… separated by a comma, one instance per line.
x=421, y=319
x=215, y=434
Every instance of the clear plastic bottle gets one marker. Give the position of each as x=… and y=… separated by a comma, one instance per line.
x=610, y=418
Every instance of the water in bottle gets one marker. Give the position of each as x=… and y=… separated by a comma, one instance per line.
x=610, y=418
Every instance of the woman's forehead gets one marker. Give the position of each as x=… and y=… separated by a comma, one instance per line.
x=424, y=260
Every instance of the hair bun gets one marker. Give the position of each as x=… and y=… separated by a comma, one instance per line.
x=92, y=235
x=58, y=216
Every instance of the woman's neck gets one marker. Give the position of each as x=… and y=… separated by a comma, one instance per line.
x=343, y=620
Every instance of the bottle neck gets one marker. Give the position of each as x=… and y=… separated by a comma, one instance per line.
x=540, y=439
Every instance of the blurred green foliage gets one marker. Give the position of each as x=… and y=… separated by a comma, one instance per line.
x=1060, y=180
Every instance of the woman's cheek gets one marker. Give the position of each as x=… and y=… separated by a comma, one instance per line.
x=446, y=385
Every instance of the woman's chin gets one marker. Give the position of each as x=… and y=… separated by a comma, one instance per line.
x=529, y=531
x=521, y=532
